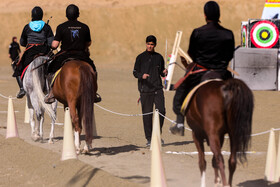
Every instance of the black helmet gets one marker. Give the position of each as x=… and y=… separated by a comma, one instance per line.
x=212, y=11
x=37, y=13
x=72, y=12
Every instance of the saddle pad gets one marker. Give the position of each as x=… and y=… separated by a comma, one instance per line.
x=55, y=75
x=190, y=94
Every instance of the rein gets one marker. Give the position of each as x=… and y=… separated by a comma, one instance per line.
x=48, y=60
x=190, y=72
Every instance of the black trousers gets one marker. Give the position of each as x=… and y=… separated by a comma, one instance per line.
x=181, y=93
x=148, y=100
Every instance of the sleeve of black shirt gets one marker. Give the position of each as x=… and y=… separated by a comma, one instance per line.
x=58, y=34
x=49, y=35
x=18, y=48
x=136, y=71
x=192, y=49
x=23, y=38
x=232, y=49
x=10, y=48
x=162, y=66
x=88, y=38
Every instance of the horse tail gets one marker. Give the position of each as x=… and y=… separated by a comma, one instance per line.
x=87, y=90
x=239, y=101
x=38, y=89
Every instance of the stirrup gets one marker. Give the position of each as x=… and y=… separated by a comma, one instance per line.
x=49, y=99
x=174, y=129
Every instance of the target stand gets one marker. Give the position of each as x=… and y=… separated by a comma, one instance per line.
x=264, y=33
x=244, y=33
x=175, y=51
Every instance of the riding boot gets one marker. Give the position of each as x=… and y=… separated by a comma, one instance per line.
x=97, y=98
x=21, y=92
x=49, y=98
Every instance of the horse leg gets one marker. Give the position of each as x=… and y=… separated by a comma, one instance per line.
x=217, y=179
x=218, y=160
x=40, y=119
x=201, y=158
x=232, y=161
x=54, y=106
x=31, y=119
x=75, y=122
x=32, y=122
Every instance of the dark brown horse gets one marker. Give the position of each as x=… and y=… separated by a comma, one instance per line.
x=218, y=108
x=75, y=87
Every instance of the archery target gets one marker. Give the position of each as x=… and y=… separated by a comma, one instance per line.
x=264, y=34
x=244, y=38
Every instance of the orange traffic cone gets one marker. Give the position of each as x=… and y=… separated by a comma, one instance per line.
x=12, y=130
x=68, y=151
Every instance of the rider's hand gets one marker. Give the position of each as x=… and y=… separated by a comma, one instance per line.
x=165, y=72
x=145, y=76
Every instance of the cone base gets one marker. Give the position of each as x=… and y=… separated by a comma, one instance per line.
x=70, y=155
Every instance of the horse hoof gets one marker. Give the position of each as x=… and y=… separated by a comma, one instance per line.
x=84, y=151
x=78, y=151
x=36, y=138
x=218, y=185
x=50, y=141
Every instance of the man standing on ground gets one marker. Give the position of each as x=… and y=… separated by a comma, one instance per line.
x=14, y=51
x=148, y=68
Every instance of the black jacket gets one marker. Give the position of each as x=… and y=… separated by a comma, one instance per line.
x=14, y=50
x=212, y=46
x=44, y=36
x=151, y=63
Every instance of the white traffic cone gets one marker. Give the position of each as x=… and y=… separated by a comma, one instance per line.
x=12, y=130
x=68, y=151
x=270, y=158
x=277, y=169
x=157, y=170
x=26, y=113
x=156, y=130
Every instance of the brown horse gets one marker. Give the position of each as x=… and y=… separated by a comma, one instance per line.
x=75, y=87
x=217, y=108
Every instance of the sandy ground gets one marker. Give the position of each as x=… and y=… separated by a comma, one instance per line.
x=119, y=148
x=119, y=157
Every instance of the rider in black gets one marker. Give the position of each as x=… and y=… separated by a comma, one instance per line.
x=14, y=50
x=211, y=48
x=37, y=37
x=75, y=40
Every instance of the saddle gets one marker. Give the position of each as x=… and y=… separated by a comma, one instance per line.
x=24, y=70
x=191, y=93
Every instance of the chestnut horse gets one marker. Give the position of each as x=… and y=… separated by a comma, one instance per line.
x=75, y=87
x=218, y=108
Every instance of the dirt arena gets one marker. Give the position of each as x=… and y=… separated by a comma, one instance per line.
x=119, y=157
